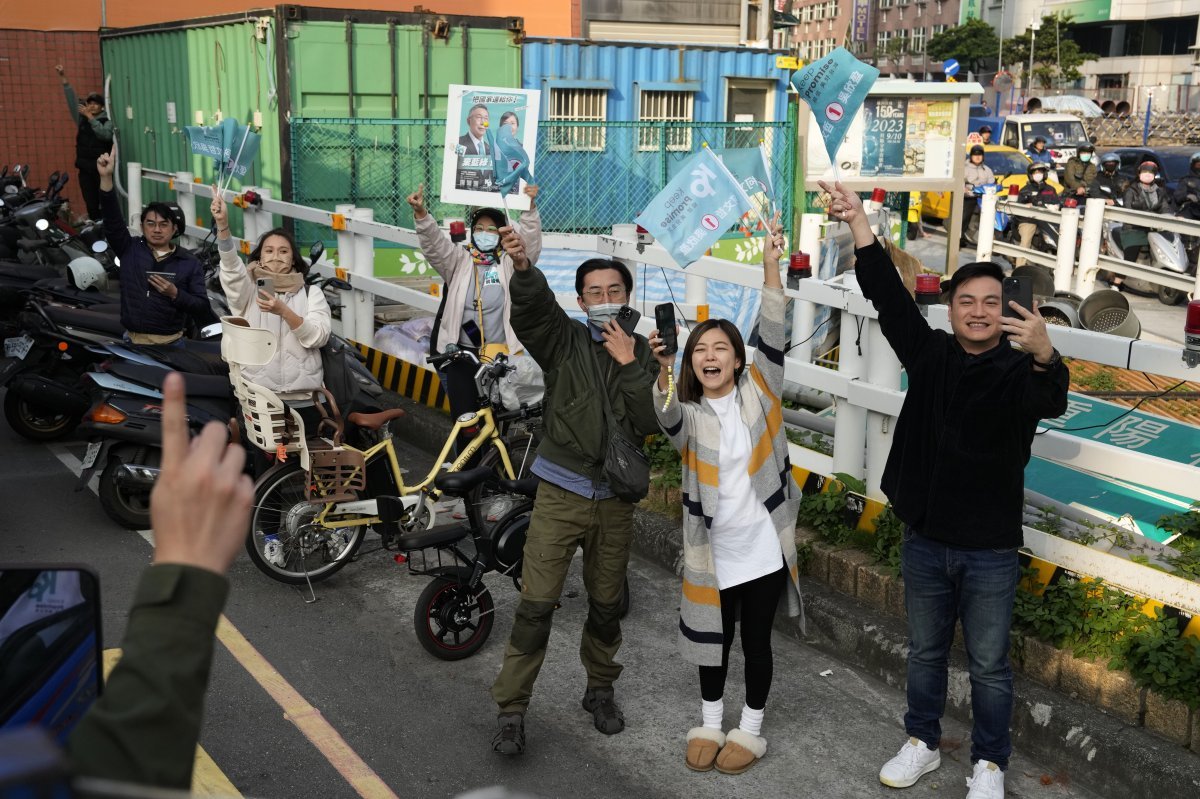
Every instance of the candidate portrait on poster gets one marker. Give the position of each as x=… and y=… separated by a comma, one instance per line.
x=476, y=119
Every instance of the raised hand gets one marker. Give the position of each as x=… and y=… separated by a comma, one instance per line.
x=416, y=201
x=219, y=211
x=618, y=343
x=514, y=245
x=1029, y=332
x=105, y=165
x=200, y=506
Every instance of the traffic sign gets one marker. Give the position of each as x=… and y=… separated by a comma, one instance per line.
x=787, y=62
x=950, y=67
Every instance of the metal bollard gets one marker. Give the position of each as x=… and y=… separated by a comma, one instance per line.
x=364, y=264
x=987, y=226
x=1068, y=231
x=1089, y=246
x=186, y=202
x=345, y=261
x=133, y=182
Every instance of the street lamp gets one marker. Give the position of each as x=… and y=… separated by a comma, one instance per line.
x=1034, y=26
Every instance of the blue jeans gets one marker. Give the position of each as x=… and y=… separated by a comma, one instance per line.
x=977, y=586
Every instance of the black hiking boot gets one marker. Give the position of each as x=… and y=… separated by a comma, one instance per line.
x=510, y=739
x=605, y=714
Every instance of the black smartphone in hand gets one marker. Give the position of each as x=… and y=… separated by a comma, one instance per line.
x=664, y=319
x=627, y=319
x=1020, y=289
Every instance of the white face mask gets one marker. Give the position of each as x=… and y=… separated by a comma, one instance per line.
x=1037, y=177
x=603, y=312
x=1146, y=178
x=486, y=240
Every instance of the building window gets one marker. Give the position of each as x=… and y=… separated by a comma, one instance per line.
x=938, y=29
x=918, y=40
x=831, y=9
x=665, y=106
x=939, y=7
x=802, y=51
x=578, y=105
x=806, y=14
x=881, y=40
x=885, y=3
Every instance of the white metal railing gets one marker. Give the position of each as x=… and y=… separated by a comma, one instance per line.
x=866, y=383
x=1075, y=266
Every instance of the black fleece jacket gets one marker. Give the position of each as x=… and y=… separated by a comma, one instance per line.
x=956, y=471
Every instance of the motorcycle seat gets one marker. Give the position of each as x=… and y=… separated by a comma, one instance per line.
x=196, y=385
x=27, y=272
x=184, y=359
x=89, y=320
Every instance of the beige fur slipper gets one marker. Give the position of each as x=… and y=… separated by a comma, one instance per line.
x=741, y=751
x=703, y=744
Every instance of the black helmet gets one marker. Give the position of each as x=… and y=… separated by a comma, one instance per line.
x=1195, y=157
x=1037, y=167
x=1041, y=139
x=1113, y=158
x=495, y=214
x=985, y=128
x=1086, y=147
x=977, y=150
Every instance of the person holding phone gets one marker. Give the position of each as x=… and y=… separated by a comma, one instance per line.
x=93, y=138
x=154, y=309
x=740, y=504
x=475, y=312
x=956, y=478
x=270, y=292
x=575, y=506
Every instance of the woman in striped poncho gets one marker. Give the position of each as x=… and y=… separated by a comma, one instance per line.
x=740, y=503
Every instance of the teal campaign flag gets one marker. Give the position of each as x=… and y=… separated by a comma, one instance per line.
x=834, y=88
x=700, y=203
x=749, y=166
x=511, y=161
x=231, y=146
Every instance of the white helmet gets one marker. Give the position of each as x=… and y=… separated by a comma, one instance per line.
x=86, y=272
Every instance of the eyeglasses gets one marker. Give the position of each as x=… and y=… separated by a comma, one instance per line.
x=615, y=293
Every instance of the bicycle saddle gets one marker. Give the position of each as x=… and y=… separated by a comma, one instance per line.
x=526, y=486
x=374, y=421
x=459, y=484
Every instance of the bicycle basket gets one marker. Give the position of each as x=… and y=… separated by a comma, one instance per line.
x=336, y=474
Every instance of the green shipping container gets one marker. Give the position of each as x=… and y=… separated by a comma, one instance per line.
x=269, y=66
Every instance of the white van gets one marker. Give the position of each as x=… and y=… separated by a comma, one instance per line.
x=1062, y=132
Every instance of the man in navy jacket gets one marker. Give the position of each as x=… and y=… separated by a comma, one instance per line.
x=154, y=309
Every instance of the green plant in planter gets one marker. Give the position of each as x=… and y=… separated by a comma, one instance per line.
x=888, y=538
x=825, y=513
x=665, y=465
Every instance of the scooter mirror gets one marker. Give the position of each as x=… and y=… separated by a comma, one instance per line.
x=315, y=253
x=99, y=246
x=42, y=224
x=50, y=645
x=53, y=178
x=336, y=283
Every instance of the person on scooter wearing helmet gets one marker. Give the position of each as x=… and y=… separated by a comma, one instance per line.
x=985, y=134
x=1036, y=192
x=1079, y=171
x=1038, y=153
x=1144, y=194
x=1187, y=191
x=975, y=174
x=1108, y=184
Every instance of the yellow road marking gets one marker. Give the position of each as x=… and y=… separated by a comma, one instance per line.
x=207, y=777
x=307, y=718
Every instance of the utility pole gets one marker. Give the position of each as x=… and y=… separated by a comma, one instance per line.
x=1034, y=26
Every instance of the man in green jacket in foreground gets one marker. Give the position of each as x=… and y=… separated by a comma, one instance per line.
x=574, y=506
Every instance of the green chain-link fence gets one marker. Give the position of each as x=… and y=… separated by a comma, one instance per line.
x=592, y=175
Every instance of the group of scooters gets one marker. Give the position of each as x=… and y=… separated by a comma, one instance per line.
x=1166, y=250
x=67, y=369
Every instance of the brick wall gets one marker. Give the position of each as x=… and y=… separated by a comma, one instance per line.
x=36, y=127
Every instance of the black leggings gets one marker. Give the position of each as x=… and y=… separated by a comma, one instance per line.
x=755, y=602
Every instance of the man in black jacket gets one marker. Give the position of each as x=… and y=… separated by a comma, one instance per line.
x=93, y=136
x=955, y=477
x=154, y=308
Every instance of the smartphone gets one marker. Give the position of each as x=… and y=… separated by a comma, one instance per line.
x=170, y=276
x=1019, y=288
x=664, y=320
x=471, y=328
x=628, y=318
x=265, y=284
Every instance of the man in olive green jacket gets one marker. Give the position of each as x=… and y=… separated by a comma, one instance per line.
x=574, y=505
x=145, y=727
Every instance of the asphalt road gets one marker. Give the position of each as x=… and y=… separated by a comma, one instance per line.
x=413, y=726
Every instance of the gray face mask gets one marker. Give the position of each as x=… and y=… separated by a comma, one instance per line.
x=604, y=312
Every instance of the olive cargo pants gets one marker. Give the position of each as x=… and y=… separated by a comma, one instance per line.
x=562, y=521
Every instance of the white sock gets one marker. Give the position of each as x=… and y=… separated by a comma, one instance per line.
x=752, y=719
x=713, y=713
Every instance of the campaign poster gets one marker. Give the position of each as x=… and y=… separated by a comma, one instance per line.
x=883, y=137
x=473, y=117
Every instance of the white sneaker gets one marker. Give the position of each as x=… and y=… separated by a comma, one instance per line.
x=913, y=761
x=273, y=550
x=987, y=782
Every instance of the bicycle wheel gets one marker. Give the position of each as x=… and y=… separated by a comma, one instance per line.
x=492, y=501
x=284, y=541
x=451, y=622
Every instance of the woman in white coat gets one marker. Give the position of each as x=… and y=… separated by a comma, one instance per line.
x=297, y=314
